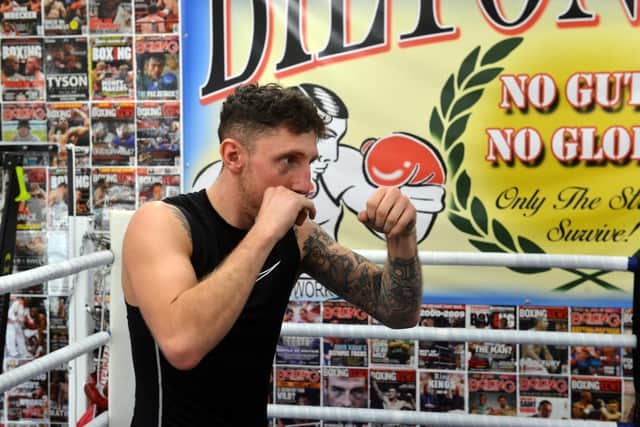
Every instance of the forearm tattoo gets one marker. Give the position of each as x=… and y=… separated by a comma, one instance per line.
x=389, y=294
x=402, y=284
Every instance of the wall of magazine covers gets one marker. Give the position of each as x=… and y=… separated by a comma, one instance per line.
x=103, y=75
x=565, y=382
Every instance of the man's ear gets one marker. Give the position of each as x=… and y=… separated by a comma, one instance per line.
x=234, y=154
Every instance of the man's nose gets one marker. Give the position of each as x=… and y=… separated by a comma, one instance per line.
x=302, y=182
x=345, y=401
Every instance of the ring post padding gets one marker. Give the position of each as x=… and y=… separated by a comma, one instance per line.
x=101, y=420
x=122, y=382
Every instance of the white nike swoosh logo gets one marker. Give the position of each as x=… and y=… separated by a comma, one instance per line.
x=266, y=272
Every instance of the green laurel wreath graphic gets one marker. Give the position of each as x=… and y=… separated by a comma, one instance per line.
x=468, y=213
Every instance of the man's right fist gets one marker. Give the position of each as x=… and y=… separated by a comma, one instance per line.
x=282, y=208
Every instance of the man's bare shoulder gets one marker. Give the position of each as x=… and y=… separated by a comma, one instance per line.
x=159, y=223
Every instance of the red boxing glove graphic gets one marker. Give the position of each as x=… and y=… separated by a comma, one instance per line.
x=401, y=159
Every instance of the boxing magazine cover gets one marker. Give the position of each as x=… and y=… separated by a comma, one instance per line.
x=297, y=386
x=492, y=394
x=157, y=183
x=393, y=390
x=111, y=188
x=111, y=75
x=157, y=67
x=69, y=123
x=24, y=122
x=113, y=140
x=595, y=398
x=153, y=16
x=30, y=253
x=30, y=250
x=65, y=17
x=543, y=358
x=58, y=322
x=26, y=328
x=83, y=191
x=442, y=354
x=32, y=213
x=344, y=351
x=59, y=396
x=392, y=352
x=21, y=18
x=300, y=350
x=58, y=251
x=158, y=133
x=627, y=353
x=484, y=356
x=66, y=68
x=592, y=360
x=110, y=16
x=345, y=387
x=29, y=400
x=442, y=392
x=22, y=76
x=544, y=397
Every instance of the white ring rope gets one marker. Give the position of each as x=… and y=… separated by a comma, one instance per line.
x=35, y=276
x=496, y=259
x=424, y=333
x=52, y=360
x=424, y=418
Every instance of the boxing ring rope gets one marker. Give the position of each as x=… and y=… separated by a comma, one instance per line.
x=47, y=362
x=424, y=333
x=424, y=418
x=24, y=279
x=75, y=265
x=498, y=259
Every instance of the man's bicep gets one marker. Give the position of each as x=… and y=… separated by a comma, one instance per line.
x=157, y=267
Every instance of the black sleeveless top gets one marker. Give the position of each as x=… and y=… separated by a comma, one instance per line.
x=229, y=386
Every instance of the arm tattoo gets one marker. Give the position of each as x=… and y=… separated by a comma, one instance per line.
x=183, y=220
x=390, y=294
x=402, y=286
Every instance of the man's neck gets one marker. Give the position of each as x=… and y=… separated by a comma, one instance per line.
x=228, y=202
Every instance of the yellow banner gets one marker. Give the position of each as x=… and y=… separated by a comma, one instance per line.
x=512, y=125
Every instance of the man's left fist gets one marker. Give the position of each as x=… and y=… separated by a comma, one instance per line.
x=390, y=212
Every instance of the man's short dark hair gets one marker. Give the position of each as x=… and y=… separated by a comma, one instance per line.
x=24, y=124
x=253, y=109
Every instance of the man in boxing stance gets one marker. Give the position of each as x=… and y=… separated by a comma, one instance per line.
x=207, y=275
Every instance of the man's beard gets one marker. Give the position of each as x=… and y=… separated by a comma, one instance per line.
x=250, y=200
